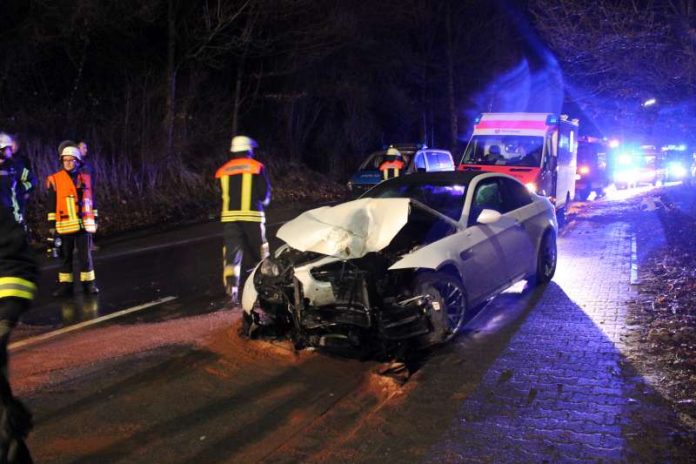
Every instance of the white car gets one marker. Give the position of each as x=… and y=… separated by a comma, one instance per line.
x=404, y=263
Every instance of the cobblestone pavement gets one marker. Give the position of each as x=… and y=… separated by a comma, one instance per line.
x=540, y=377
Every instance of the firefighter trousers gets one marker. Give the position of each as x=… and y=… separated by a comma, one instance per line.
x=82, y=241
x=15, y=418
x=244, y=246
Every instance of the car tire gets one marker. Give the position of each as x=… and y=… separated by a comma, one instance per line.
x=547, y=258
x=449, y=294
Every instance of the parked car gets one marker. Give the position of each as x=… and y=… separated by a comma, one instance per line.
x=416, y=158
x=403, y=264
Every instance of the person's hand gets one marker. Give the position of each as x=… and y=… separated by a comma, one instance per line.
x=52, y=231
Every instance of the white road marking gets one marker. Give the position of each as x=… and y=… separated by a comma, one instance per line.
x=634, y=261
x=81, y=325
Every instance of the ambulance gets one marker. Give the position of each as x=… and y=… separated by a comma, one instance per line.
x=539, y=149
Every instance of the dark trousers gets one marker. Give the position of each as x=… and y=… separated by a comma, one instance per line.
x=82, y=241
x=15, y=418
x=245, y=245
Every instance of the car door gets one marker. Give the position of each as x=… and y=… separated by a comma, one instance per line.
x=488, y=261
x=518, y=204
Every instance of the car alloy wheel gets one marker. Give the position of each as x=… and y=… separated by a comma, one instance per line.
x=546, y=259
x=450, y=295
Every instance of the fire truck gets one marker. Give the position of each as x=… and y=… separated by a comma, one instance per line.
x=539, y=149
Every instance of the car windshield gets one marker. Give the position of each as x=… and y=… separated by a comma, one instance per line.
x=445, y=198
x=504, y=150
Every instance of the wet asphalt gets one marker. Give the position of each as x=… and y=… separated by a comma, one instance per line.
x=184, y=262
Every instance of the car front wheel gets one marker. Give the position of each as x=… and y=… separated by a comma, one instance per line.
x=547, y=257
x=448, y=307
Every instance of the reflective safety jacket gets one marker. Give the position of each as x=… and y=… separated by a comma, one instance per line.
x=391, y=169
x=8, y=187
x=245, y=190
x=18, y=270
x=71, y=202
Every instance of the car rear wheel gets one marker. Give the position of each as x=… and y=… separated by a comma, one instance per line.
x=448, y=308
x=546, y=259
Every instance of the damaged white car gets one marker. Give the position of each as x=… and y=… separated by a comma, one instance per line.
x=402, y=265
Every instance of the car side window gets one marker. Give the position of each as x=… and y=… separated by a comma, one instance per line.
x=516, y=195
x=486, y=196
x=419, y=162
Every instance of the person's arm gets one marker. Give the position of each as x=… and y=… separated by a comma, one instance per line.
x=267, y=194
x=27, y=178
x=51, y=207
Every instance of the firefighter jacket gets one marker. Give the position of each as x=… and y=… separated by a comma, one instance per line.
x=245, y=190
x=71, y=202
x=18, y=270
x=391, y=169
x=8, y=187
x=26, y=181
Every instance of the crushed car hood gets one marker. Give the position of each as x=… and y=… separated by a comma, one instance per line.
x=349, y=230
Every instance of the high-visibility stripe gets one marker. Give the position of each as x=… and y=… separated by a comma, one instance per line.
x=27, y=185
x=16, y=293
x=225, y=182
x=246, y=192
x=25, y=175
x=87, y=276
x=70, y=202
x=18, y=281
x=241, y=219
x=244, y=213
x=51, y=216
x=64, y=277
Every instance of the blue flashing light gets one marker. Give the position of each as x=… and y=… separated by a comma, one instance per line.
x=551, y=120
x=477, y=119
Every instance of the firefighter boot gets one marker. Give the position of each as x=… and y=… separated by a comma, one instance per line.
x=90, y=288
x=64, y=289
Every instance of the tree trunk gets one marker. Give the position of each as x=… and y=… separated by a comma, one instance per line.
x=237, y=96
x=453, y=117
x=169, y=118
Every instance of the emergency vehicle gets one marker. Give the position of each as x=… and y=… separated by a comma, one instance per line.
x=539, y=149
x=593, y=167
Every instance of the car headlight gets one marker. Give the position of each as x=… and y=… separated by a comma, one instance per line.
x=269, y=268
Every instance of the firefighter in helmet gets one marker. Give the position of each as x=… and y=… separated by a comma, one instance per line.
x=73, y=215
x=246, y=191
x=8, y=177
x=18, y=276
x=392, y=165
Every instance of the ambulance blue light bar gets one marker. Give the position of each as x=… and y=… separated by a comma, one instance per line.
x=551, y=120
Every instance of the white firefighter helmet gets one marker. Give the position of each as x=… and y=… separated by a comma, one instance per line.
x=242, y=143
x=71, y=150
x=391, y=151
x=5, y=140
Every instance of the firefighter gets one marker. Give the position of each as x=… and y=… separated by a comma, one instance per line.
x=73, y=214
x=392, y=165
x=246, y=191
x=8, y=177
x=26, y=182
x=18, y=275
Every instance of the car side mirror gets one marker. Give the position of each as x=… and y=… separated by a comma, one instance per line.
x=488, y=216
